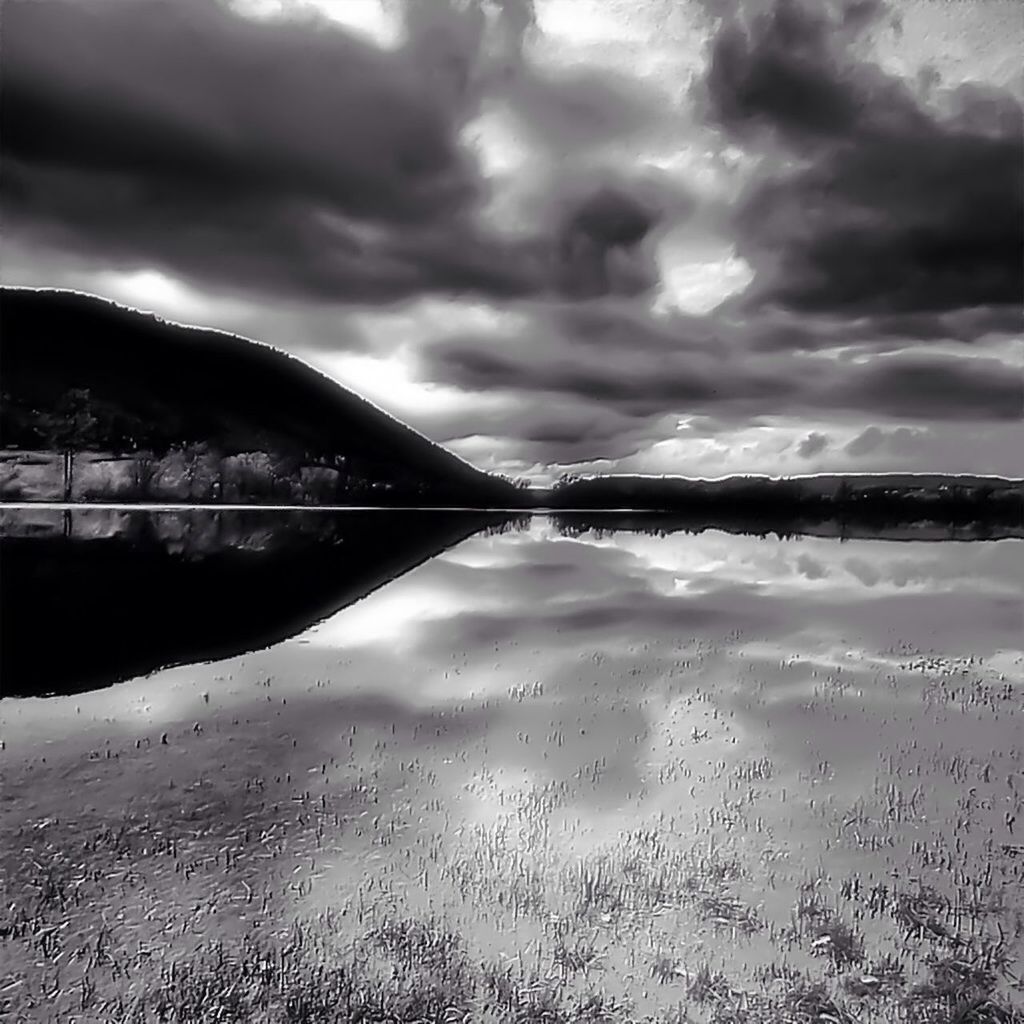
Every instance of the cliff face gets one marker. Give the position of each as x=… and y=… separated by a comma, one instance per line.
x=80, y=374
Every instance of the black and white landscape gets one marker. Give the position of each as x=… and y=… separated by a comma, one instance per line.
x=511, y=511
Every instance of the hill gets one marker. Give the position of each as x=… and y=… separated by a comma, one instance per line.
x=756, y=503
x=81, y=374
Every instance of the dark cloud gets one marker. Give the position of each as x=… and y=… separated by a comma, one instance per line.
x=912, y=225
x=622, y=364
x=874, y=222
x=780, y=330
x=786, y=69
x=901, y=440
x=938, y=387
x=813, y=444
x=609, y=218
x=884, y=204
x=282, y=155
x=604, y=222
x=225, y=149
x=580, y=110
x=164, y=93
x=529, y=427
x=967, y=324
x=625, y=381
x=609, y=355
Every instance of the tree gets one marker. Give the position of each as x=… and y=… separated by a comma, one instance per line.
x=71, y=427
x=517, y=483
x=144, y=469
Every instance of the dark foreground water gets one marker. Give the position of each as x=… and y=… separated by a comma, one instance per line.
x=605, y=757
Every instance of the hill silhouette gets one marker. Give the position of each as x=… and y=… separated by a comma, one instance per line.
x=83, y=373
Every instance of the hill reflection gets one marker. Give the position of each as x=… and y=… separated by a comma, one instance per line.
x=93, y=597
x=741, y=522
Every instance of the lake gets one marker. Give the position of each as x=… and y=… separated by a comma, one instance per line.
x=476, y=767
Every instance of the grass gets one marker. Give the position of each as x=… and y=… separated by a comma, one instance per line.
x=421, y=973
x=371, y=964
x=199, y=906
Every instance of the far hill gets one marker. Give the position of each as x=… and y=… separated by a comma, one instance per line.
x=228, y=416
x=754, y=504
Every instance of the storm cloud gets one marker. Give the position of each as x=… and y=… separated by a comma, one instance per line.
x=283, y=154
x=879, y=221
x=887, y=202
x=813, y=444
x=697, y=366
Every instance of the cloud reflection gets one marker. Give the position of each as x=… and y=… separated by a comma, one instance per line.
x=803, y=703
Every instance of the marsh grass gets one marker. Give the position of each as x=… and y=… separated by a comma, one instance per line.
x=395, y=969
x=574, y=927
x=515, y=917
x=425, y=976
x=402, y=970
x=839, y=942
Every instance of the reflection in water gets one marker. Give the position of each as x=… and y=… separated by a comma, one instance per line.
x=92, y=597
x=594, y=754
x=664, y=523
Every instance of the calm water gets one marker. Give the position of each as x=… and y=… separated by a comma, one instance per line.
x=681, y=748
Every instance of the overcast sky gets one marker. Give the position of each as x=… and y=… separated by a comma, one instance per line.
x=689, y=236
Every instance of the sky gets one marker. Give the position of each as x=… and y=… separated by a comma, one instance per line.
x=700, y=237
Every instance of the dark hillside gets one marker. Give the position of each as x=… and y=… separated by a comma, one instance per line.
x=154, y=386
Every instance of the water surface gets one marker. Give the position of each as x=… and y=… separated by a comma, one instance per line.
x=670, y=749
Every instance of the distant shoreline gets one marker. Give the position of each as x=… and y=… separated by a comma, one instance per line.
x=659, y=522
x=894, y=506
x=164, y=506
x=170, y=506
